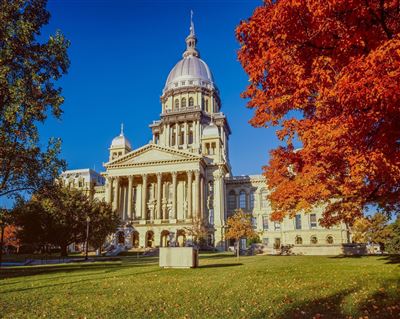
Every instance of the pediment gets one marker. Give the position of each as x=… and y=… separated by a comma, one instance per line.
x=152, y=153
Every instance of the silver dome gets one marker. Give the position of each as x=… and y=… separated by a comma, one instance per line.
x=211, y=130
x=190, y=71
x=121, y=140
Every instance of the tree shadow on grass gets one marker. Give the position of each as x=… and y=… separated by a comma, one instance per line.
x=391, y=259
x=220, y=265
x=384, y=303
x=75, y=267
x=76, y=282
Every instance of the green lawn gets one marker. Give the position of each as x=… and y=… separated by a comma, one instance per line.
x=254, y=287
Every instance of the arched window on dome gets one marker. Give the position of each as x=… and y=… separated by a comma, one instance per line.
x=176, y=104
x=191, y=102
x=183, y=102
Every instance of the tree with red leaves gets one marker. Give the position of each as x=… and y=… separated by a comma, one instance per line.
x=328, y=73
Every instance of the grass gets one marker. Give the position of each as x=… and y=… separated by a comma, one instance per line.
x=254, y=287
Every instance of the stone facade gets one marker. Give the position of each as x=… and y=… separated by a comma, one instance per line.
x=184, y=175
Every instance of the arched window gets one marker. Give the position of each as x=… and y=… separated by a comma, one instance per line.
x=329, y=239
x=242, y=199
x=176, y=104
x=314, y=240
x=299, y=240
x=231, y=201
x=191, y=101
x=183, y=102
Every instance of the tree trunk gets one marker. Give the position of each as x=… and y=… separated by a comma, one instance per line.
x=64, y=252
x=238, y=249
x=1, y=244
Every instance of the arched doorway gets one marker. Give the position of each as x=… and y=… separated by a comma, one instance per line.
x=180, y=238
x=121, y=238
x=135, y=239
x=164, y=242
x=150, y=239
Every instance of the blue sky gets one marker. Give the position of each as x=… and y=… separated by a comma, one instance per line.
x=121, y=53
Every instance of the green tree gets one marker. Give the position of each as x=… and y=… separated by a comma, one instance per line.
x=28, y=94
x=393, y=244
x=58, y=217
x=103, y=222
x=372, y=229
x=239, y=226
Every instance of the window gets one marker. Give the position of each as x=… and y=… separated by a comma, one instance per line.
x=211, y=217
x=190, y=82
x=329, y=240
x=254, y=222
x=251, y=200
x=314, y=240
x=213, y=148
x=191, y=101
x=265, y=241
x=207, y=148
x=183, y=102
x=313, y=220
x=207, y=110
x=242, y=199
x=264, y=202
x=156, y=138
x=231, y=201
x=176, y=104
x=190, y=134
x=277, y=225
x=299, y=240
x=181, y=137
x=265, y=222
x=297, y=221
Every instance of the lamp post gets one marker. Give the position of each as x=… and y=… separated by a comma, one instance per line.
x=87, y=237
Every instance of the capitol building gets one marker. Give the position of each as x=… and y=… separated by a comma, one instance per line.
x=183, y=175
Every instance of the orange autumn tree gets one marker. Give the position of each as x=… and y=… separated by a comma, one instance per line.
x=328, y=73
x=239, y=226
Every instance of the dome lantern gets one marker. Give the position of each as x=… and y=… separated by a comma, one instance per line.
x=120, y=145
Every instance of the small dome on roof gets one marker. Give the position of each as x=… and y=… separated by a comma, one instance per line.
x=121, y=140
x=211, y=130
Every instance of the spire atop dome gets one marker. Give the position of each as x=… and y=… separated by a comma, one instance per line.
x=122, y=129
x=191, y=40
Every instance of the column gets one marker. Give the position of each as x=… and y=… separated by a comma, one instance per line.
x=189, y=194
x=144, y=196
x=130, y=187
x=176, y=134
x=109, y=189
x=159, y=215
x=174, y=191
x=116, y=194
x=185, y=134
x=197, y=193
x=202, y=198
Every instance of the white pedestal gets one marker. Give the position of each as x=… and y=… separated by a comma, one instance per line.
x=178, y=257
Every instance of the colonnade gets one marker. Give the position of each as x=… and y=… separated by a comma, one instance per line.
x=155, y=196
